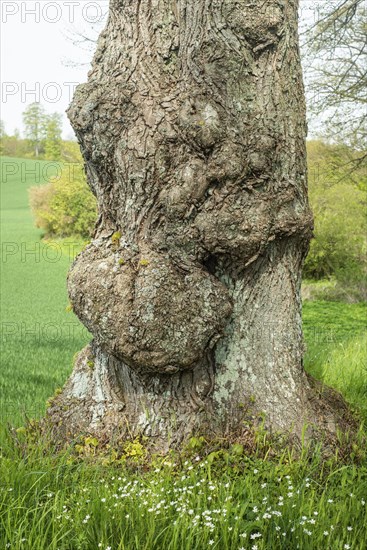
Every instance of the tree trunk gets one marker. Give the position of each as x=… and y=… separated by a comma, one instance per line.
x=192, y=127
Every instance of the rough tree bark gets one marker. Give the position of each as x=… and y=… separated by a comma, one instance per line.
x=192, y=127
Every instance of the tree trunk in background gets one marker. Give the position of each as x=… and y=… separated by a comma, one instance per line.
x=192, y=127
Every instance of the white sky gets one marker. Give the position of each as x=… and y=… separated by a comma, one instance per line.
x=36, y=53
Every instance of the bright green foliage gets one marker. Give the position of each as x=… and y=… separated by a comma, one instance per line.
x=65, y=206
x=339, y=246
x=338, y=199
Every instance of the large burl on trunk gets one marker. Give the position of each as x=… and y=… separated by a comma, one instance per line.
x=192, y=127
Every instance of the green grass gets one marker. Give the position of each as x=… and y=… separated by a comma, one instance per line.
x=213, y=502
x=55, y=501
x=336, y=343
x=333, y=322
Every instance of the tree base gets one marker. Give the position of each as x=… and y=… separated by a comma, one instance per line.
x=106, y=399
x=254, y=375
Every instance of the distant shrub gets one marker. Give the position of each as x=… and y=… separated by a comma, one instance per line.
x=13, y=146
x=332, y=290
x=65, y=206
x=338, y=200
x=339, y=246
x=40, y=199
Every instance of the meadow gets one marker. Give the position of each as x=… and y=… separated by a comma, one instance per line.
x=38, y=335
x=209, y=496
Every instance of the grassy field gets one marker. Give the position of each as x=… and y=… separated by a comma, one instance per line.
x=224, y=499
x=38, y=336
x=336, y=344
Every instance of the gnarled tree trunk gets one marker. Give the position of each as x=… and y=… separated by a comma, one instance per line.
x=192, y=127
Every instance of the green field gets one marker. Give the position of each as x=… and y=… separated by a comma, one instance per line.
x=38, y=336
x=225, y=500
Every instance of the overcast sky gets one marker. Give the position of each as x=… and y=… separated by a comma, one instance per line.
x=37, y=51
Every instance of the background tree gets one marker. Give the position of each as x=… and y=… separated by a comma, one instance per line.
x=13, y=145
x=192, y=128
x=34, y=125
x=335, y=64
x=2, y=136
x=53, y=139
x=2, y=129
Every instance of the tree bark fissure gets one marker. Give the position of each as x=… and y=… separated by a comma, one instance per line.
x=192, y=127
